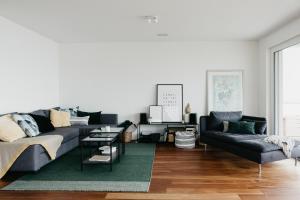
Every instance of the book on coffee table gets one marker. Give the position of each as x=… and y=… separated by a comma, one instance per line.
x=100, y=158
x=103, y=135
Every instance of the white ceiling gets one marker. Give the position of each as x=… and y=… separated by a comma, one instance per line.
x=121, y=20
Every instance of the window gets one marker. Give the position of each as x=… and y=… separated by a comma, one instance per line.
x=287, y=91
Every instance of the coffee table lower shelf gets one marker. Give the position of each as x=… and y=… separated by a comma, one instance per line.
x=96, y=143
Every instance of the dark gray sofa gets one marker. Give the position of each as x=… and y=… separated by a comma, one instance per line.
x=249, y=146
x=35, y=157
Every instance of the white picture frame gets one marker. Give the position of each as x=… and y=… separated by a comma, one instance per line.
x=225, y=90
x=155, y=113
x=170, y=97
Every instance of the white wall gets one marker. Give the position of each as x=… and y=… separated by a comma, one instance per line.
x=278, y=37
x=28, y=69
x=121, y=77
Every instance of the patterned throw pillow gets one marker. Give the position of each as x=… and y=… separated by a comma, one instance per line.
x=27, y=124
x=72, y=111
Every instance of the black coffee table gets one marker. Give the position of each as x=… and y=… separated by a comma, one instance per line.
x=97, y=139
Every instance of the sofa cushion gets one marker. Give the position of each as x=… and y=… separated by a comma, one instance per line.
x=72, y=111
x=231, y=137
x=258, y=145
x=242, y=127
x=60, y=118
x=83, y=121
x=44, y=113
x=27, y=124
x=10, y=130
x=67, y=132
x=95, y=117
x=43, y=123
x=260, y=126
x=216, y=119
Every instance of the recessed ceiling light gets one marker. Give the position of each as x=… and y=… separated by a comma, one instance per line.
x=162, y=34
x=151, y=19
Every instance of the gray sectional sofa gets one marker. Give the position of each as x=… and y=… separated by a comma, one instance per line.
x=249, y=146
x=35, y=157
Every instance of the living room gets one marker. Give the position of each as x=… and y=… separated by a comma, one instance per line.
x=87, y=67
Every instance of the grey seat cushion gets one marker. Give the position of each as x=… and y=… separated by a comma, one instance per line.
x=67, y=132
x=231, y=137
x=258, y=145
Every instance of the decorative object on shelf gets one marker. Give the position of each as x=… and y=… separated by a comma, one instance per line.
x=188, y=108
x=193, y=118
x=170, y=97
x=150, y=120
x=143, y=118
x=225, y=90
x=186, y=116
x=155, y=114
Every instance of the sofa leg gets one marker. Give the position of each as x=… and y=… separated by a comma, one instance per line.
x=296, y=161
x=259, y=168
x=205, y=147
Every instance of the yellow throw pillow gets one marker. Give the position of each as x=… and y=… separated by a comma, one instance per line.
x=10, y=130
x=60, y=118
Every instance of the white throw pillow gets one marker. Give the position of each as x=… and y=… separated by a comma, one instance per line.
x=84, y=121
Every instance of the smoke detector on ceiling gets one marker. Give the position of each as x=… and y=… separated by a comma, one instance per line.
x=162, y=34
x=151, y=19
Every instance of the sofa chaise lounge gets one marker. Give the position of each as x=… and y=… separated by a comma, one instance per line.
x=249, y=146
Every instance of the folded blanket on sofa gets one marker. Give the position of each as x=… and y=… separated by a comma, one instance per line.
x=286, y=143
x=10, y=151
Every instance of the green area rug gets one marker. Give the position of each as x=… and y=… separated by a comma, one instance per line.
x=132, y=174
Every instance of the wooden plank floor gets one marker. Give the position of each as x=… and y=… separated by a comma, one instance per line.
x=195, y=174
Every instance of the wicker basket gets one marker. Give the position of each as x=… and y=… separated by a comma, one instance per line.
x=127, y=137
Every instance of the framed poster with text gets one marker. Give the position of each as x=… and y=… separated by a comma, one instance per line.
x=170, y=97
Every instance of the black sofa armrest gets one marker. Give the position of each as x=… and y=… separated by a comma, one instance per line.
x=262, y=119
x=203, y=123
